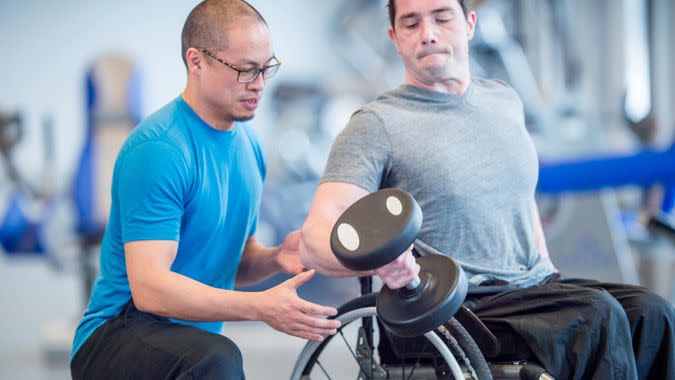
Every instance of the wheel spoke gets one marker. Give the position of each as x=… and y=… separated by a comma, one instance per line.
x=417, y=363
x=323, y=369
x=310, y=355
x=351, y=350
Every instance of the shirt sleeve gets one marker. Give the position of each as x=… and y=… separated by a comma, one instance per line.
x=152, y=189
x=360, y=154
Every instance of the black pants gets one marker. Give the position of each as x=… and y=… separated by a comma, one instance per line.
x=583, y=329
x=138, y=345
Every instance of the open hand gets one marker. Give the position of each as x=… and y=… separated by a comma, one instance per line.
x=285, y=311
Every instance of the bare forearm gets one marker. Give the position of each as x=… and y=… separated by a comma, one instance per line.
x=258, y=263
x=330, y=201
x=173, y=295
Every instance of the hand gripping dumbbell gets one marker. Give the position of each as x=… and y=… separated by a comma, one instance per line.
x=377, y=229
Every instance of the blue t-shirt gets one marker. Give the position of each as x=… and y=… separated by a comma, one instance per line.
x=177, y=178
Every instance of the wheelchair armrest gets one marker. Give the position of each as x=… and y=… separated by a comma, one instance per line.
x=484, y=338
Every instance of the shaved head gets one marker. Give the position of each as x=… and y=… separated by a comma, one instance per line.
x=208, y=23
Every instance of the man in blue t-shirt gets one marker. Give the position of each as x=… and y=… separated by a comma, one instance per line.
x=185, y=197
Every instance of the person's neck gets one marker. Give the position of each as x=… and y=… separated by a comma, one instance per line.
x=455, y=86
x=211, y=118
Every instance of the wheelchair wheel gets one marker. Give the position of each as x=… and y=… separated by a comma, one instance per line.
x=352, y=353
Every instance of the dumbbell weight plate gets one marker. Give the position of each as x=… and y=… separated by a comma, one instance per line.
x=376, y=229
x=442, y=290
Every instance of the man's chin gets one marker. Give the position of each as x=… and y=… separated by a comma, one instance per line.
x=442, y=72
x=243, y=117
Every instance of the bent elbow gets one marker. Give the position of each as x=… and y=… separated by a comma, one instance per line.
x=143, y=300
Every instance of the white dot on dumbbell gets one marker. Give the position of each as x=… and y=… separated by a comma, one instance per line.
x=394, y=205
x=348, y=236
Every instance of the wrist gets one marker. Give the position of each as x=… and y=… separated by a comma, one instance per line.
x=256, y=303
x=274, y=258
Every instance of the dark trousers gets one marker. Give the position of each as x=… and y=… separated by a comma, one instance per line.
x=138, y=345
x=583, y=329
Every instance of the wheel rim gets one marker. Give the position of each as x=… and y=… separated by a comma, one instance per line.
x=309, y=366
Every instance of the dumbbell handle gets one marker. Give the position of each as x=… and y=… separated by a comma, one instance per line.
x=414, y=283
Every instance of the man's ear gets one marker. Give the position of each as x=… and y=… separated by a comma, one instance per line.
x=194, y=61
x=470, y=25
x=392, y=36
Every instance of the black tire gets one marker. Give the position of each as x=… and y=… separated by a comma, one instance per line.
x=465, y=349
x=454, y=339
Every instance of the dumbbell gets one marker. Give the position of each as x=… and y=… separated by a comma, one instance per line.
x=374, y=231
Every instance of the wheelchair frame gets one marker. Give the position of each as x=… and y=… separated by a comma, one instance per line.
x=460, y=357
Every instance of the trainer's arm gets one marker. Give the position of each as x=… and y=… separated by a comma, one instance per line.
x=157, y=290
x=259, y=262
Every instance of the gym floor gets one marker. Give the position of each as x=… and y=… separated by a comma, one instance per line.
x=41, y=309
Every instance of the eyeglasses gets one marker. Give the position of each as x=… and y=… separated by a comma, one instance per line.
x=248, y=75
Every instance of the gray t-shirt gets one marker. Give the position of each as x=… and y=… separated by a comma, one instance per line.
x=469, y=162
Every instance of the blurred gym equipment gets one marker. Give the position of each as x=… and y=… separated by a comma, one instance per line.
x=113, y=97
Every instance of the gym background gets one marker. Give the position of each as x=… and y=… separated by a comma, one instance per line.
x=596, y=78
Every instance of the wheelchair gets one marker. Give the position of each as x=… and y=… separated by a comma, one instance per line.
x=419, y=342
x=364, y=350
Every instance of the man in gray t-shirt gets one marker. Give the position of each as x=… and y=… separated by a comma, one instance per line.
x=458, y=144
x=474, y=177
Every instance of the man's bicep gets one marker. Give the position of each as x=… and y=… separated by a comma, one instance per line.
x=147, y=256
x=148, y=264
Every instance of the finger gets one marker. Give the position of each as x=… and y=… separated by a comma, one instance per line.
x=394, y=284
x=386, y=270
x=301, y=278
x=408, y=277
x=402, y=258
x=399, y=280
x=314, y=330
x=317, y=322
x=315, y=309
x=410, y=258
x=305, y=335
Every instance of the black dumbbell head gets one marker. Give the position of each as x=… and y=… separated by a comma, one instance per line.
x=376, y=229
x=442, y=290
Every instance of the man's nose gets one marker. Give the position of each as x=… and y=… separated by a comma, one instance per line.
x=258, y=84
x=428, y=32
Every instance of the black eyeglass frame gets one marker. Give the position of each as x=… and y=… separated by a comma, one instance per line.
x=263, y=70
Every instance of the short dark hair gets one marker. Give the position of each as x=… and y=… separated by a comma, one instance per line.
x=207, y=23
x=465, y=4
